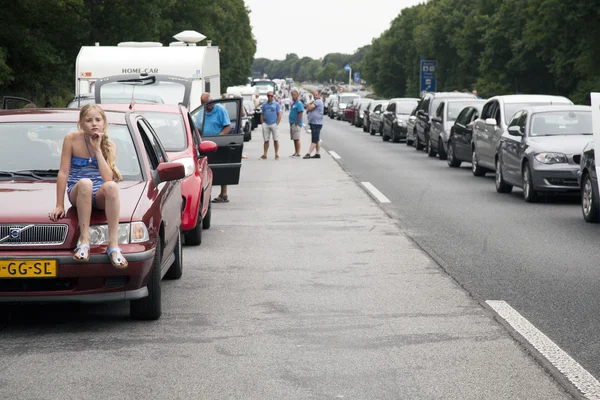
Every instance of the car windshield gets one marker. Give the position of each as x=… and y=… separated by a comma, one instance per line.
x=455, y=107
x=346, y=99
x=405, y=107
x=170, y=129
x=38, y=146
x=511, y=108
x=556, y=123
x=161, y=92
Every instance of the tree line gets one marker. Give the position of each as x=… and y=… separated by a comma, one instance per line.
x=329, y=68
x=40, y=40
x=496, y=47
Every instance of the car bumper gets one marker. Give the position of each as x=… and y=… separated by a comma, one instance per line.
x=94, y=281
x=555, y=178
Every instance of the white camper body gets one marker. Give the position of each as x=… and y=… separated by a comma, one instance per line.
x=185, y=60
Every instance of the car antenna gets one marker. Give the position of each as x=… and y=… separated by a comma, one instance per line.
x=132, y=99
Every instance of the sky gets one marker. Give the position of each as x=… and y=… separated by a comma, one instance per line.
x=313, y=28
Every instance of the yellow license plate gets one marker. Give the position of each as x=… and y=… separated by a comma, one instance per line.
x=27, y=268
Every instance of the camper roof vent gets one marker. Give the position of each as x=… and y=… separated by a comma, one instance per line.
x=139, y=44
x=181, y=44
x=189, y=37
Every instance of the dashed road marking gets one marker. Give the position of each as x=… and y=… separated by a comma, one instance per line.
x=571, y=369
x=334, y=155
x=373, y=190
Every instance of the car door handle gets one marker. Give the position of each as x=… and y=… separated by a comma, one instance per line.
x=233, y=146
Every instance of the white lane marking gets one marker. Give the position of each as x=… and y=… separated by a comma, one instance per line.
x=378, y=195
x=579, y=376
x=334, y=155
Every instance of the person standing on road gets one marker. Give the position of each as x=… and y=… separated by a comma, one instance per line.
x=216, y=123
x=270, y=118
x=315, y=121
x=295, y=118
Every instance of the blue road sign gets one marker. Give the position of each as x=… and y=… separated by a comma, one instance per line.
x=428, y=75
x=347, y=67
x=356, y=77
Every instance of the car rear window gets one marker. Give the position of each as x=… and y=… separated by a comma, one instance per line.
x=38, y=146
x=170, y=129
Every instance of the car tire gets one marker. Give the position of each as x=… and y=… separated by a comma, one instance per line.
x=371, y=131
x=452, y=161
x=501, y=186
x=418, y=144
x=589, y=200
x=441, y=153
x=193, y=237
x=207, y=217
x=385, y=137
x=476, y=169
x=176, y=269
x=529, y=193
x=150, y=308
x=429, y=150
x=364, y=128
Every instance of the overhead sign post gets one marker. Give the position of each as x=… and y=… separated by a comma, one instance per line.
x=428, y=68
x=349, y=69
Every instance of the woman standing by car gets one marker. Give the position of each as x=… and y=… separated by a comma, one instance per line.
x=89, y=175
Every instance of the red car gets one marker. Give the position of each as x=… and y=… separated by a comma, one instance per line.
x=180, y=138
x=36, y=254
x=349, y=112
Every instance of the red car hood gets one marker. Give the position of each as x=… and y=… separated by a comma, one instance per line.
x=32, y=201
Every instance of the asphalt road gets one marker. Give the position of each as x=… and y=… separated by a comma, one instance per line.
x=542, y=259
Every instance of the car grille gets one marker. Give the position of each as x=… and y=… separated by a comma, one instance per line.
x=33, y=234
x=563, y=181
x=577, y=158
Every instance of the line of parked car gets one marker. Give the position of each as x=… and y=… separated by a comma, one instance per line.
x=542, y=144
x=168, y=171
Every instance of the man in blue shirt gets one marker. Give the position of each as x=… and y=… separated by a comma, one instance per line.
x=270, y=118
x=216, y=123
x=296, y=112
x=315, y=120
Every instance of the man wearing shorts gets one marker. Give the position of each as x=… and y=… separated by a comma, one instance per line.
x=315, y=120
x=270, y=118
x=295, y=118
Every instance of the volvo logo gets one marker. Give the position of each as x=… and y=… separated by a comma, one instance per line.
x=15, y=233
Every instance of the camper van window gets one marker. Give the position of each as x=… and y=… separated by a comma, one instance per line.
x=160, y=92
x=207, y=86
x=169, y=128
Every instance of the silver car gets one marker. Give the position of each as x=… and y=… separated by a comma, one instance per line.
x=492, y=124
x=442, y=122
x=376, y=118
x=541, y=150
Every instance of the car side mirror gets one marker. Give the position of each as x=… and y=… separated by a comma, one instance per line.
x=207, y=147
x=377, y=112
x=436, y=119
x=469, y=126
x=514, y=131
x=412, y=118
x=170, y=171
x=491, y=122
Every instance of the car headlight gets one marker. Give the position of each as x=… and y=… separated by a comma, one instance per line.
x=551, y=158
x=401, y=122
x=188, y=165
x=134, y=232
x=361, y=115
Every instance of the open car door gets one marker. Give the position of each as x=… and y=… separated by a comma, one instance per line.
x=226, y=162
x=13, y=103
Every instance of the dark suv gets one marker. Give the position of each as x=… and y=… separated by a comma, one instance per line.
x=425, y=110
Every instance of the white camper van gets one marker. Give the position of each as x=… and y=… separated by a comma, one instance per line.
x=181, y=59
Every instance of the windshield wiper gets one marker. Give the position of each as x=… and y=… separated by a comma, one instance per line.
x=12, y=174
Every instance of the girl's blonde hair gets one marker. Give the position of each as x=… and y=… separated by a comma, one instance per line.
x=107, y=150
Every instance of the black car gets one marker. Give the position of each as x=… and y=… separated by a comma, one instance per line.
x=425, y=111
x=588, y=182
x=395, y=118
x=460, y=141
x=367, y=114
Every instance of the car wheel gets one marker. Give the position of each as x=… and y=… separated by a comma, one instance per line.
x=364, y=128
x=371, y=131
x=385, y=137
x=176, y=269
x=441, y=153
x=395, y=138
x=452, y=161
x=501, y=186
x=429, y=148
x=247, y=137
x=207, y=217
x=589, y=200
x=475, y=168
x=418, y=144
x=529, y=193
x=150, y=307
x=193, y=237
